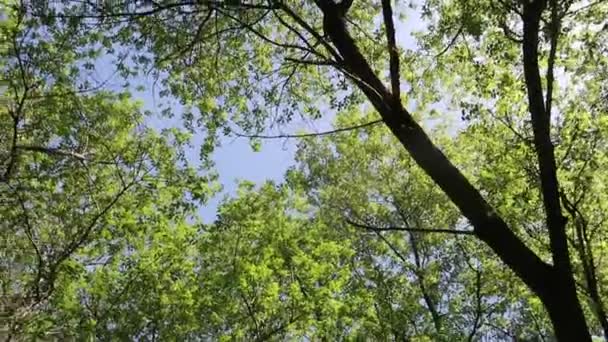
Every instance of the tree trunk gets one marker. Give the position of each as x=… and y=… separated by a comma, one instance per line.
x=554, y=285
x=565, y=312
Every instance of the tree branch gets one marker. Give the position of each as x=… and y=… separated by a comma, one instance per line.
x=52, y=151
x=157, y=8
x=30, y=235
x=478, y=301
x=420, y=274
x=311, y=62
x=409, y=229
x=59, y=152
x=554, y=30
x=13, y=151
x=309, y=29
x=451, y=43
x=588, y=262
x=541, y=124
x=393, y=51
x=75, y=244
x=249, y=27
x=305, y=135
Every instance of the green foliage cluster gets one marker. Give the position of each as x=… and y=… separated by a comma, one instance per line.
x=101, y=236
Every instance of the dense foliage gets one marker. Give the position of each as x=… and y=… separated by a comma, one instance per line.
x=460, y=196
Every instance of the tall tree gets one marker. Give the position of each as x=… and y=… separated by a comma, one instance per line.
x=81, y=177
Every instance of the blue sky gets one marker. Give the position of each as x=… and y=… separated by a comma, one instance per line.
x=235, y=160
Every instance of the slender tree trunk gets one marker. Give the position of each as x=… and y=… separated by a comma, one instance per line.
x=562, y=299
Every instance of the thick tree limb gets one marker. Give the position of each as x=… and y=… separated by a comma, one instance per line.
x=588, y=262
x=542, y=135
x=60, y=153
x=567, y=316
x=387, y=13
x=308, y=29
x=488, y=226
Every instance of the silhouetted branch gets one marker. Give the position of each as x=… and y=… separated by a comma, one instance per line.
x=451, y=43
x=157, y=8
x=554, y=28
x=311, y=62
x=387, y=13
x=59, y=152
x=410, y=229
x=305, y=135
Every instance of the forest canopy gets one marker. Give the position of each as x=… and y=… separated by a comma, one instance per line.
x=459, y=195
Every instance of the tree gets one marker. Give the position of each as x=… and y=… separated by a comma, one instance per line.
x=273, y=54
x=81, y=178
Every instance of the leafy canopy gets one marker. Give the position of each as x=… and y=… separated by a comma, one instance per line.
x=492, y=228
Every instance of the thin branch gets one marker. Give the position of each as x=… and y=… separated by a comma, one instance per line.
x=280, y=329
x=512, y=36
x=251, y=314
x=159, y=8
x=299, y=34
x=52, y=151
x=310, y=30
x=17, y=114
x=587, y=260
x=573, y=139
x=87, y=231
x=478, y=309
x=193, y=42
x=420, y=275
x=409, y=229
x=393, y=248
x=393, y=52
x=249, y=27
x=30, y=237
x=451, y=43
x=13, y=152
x=60, y=152
x=304, y=135
x=554, y=32
x=510, y=7
x=311, y=62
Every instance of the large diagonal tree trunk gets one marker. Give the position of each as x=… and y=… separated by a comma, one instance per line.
x=554, y=284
